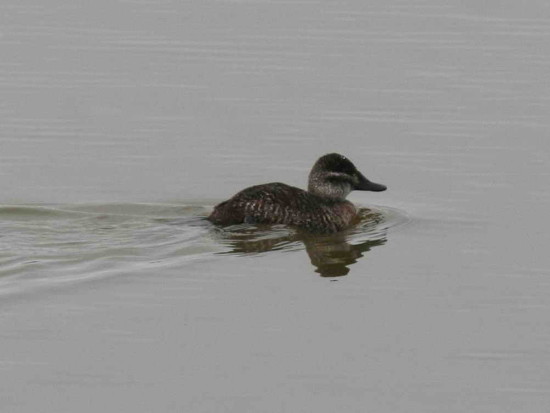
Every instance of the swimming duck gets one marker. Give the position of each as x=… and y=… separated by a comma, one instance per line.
x=322, y=208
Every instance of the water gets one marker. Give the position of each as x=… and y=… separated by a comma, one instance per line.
x=122, y=124
x=47, y=245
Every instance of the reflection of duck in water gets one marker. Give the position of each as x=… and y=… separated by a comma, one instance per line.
x=331, y=254
x=323, y=208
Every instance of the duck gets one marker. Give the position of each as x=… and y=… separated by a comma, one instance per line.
x=323, y=208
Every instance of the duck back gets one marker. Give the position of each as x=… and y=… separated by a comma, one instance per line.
x=278, y=203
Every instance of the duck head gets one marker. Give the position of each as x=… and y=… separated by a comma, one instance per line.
x=335, y=176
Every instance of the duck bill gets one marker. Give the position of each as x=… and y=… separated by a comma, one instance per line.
x=366, y=185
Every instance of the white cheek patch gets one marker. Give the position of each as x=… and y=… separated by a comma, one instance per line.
x=346, y=189
x=340, y=191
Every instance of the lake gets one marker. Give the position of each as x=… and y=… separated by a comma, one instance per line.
x=123, y=123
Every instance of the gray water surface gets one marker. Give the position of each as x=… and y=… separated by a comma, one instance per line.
x=123, y=123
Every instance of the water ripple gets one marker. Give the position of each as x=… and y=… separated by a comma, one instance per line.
x=63, y=243
x=45, y=245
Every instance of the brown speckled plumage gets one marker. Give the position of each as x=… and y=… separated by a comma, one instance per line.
x=322, y=208
x=278, y=203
